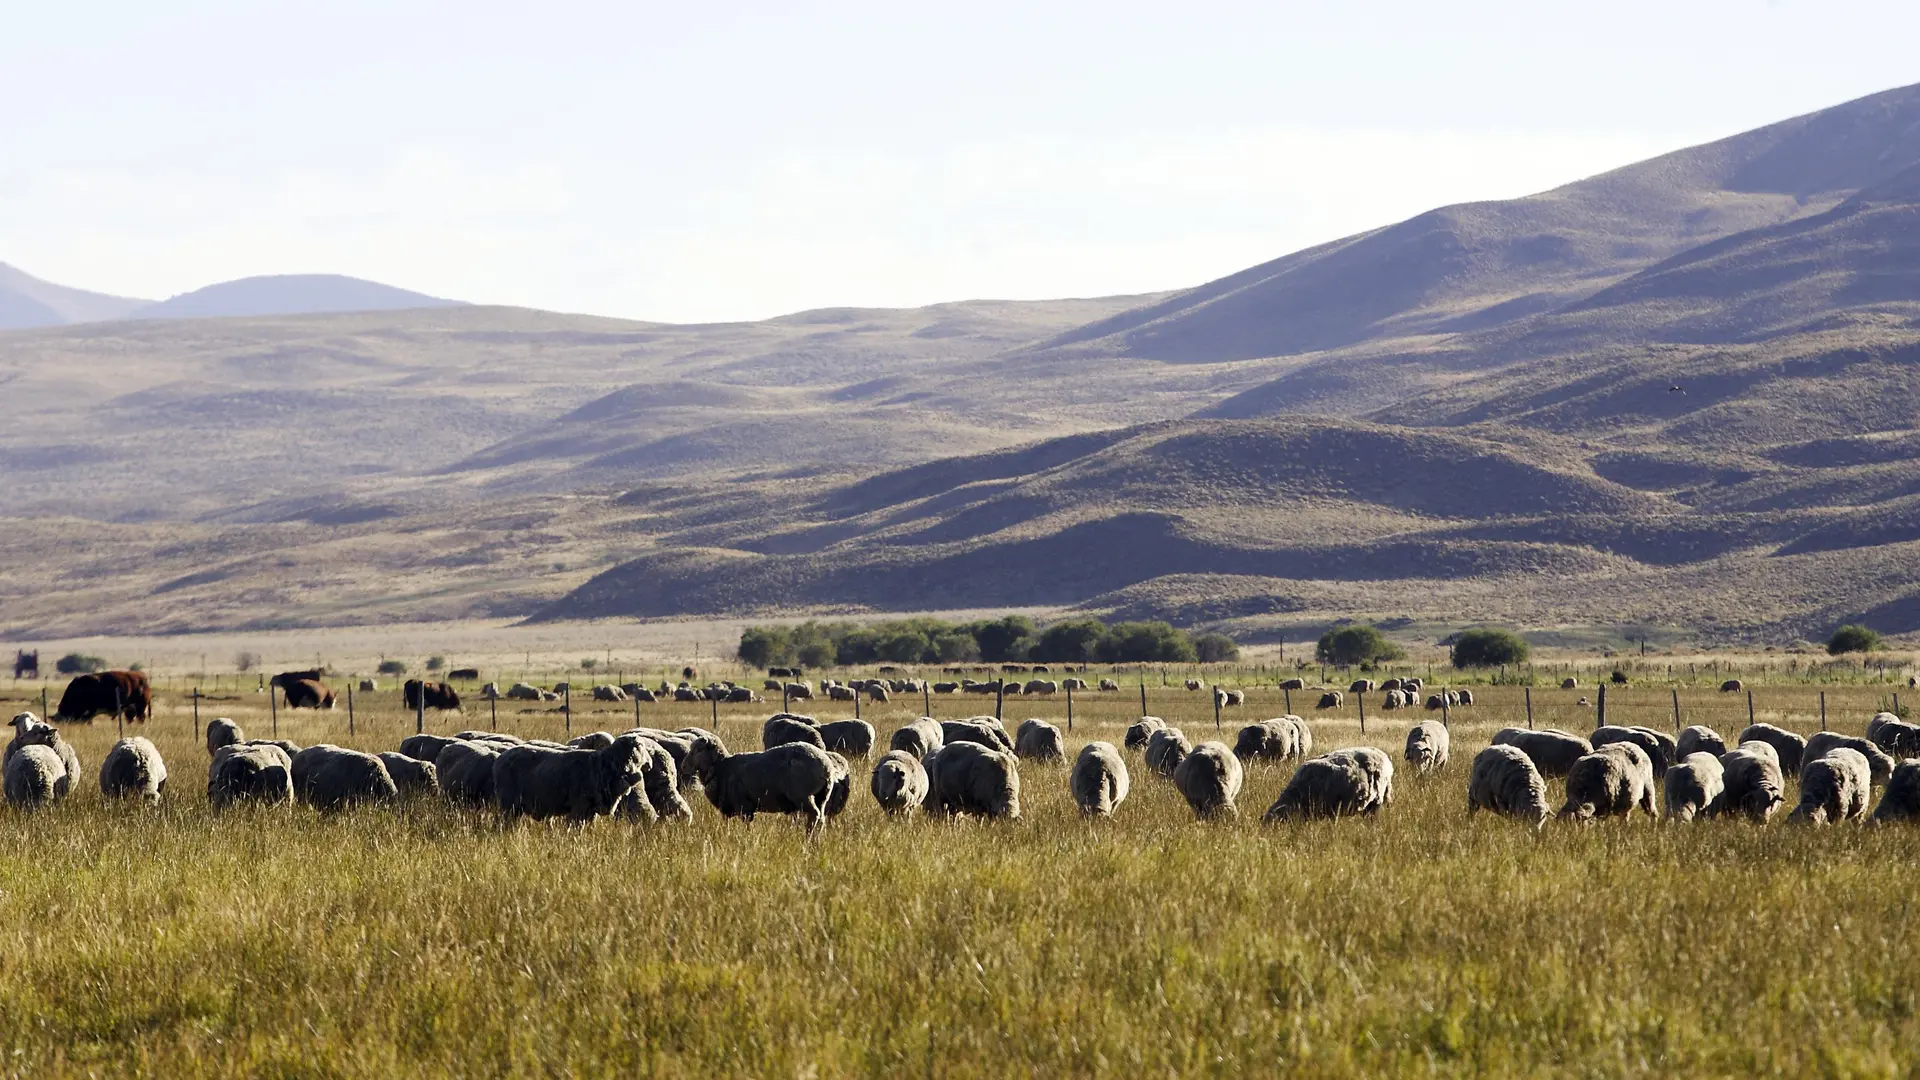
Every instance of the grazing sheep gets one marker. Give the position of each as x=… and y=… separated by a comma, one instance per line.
x=1569, y=683
x=250, y=773
x=1897, y=737
x=1037, y=740
x=1610, y=782
x=799, y=691
x=946, y=688
x=1789, y=749
x=592, y=740
x=1647, y=740
x=500, y=738
x=1302, y=736
x=330, y=778
x=369, y=686
x=852, y=737
x=1698, y=740
x=783, y=728
x=1412, y=687
x=1209, y=777
x=466, y=772
x=1193, y=684
x=609, y=693
x=1332, y=699
x=1427, y=746
x=523, y=692
x=543, y=782
x=791, y=778
x=984, y=730
x=1553, y=751
x=223, y=732
x=1391, y=700
x=1732, y=686
x=658, y=796
x=899, y=782
x=1165, y=749
x=35, y=777
x=288, y=747
x=1351, y=781
x=1043, y=687
x=1293, y=684
x=1880, y=719
x=1463, y=697
x=1693, y=784
x=840, y=693
x=1109, y=685
x=1877, y=760
x=1752, y=782
x=877, y=693
x=30, y=730
x=1236, y=698
x=133, y=768
x=425, y=747
x=920, y=738
x=1270, y=740
x=1099, y=780
x=411, y=776
x=1505, y=781
x=967, y=778
x=1834, y=787
x=1363, y=686
x=1901, y=801
x=1140, y=731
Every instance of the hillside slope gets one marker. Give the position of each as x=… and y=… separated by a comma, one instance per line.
x=27, y=302
x=288, y=294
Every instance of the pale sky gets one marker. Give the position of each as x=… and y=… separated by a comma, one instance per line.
x=694, y=162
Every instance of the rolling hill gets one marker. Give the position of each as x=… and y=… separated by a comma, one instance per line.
x=288, y=294
x=27, y=302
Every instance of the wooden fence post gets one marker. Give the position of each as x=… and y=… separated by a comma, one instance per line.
x=1529, y=706
x=1676, y=710
x=1216, y=708
x=926, y=702
x=1749, y=708
x=1600, y=716
x=1823, y=710
x=196, y=714
x=273, y=702
x=1289, y=696
x=43, y=702
x=1069, y=706
x=119, y=713
x=716, y=713
x=1360, y=700
x=566, y=706
x=349, y=707
x=1000, y=696
x=1143, y=696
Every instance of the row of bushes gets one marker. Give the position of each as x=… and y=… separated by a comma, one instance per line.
x=1009, y=638
x=1361, y=644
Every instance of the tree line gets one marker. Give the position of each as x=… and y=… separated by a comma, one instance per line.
x=1010, y=638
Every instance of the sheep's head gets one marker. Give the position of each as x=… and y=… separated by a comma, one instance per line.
x=25, y=722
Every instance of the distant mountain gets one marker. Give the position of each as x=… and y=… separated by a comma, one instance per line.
x=27, y=302
x=289, y=294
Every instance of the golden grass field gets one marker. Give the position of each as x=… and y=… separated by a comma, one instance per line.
x=428, y=941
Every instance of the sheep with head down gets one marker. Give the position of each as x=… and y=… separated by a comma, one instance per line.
x=1822, y=743
x=1693, y=784
x=1789, y=749
x=542, y=782
x=899, y=782
x=1099, y=780
x=331, y=778
x=790, y=778
x=425, y=747
x=783, y=728
x=466, y=772
x=1648, y=740
x=853, y=737
x=968, y=778
x=1209, y=778
x=1357, y=780
x=919, y=738
x=1752, y=782
x=34, y=777
x=1901, y=800
x=1895, y=736
x=1553, y=751
x=222, y=731
x=1037, y=740
x=1505, y=781
x=30, y=730
x=412, y=777
x=984, y=731
x=1698, y=739
x=1834, y=787
x=1140, y=731
x=658, y=796
x=1427, y=746
x=1265, y=740
x=133, y=769
x=1165, y=749
x=256, y=773
x=1610, y=782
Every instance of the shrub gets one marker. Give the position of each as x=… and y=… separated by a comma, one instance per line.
x=1146, y=642
x=1357, y=643
x=79, y=664
x=1004, y=638
x=1069, y=642
x=435, y=663
x=1216, y=649
x=1853, y=638
x=587, y=663
x=246, y=661
x=764, y=646
x=392, y=667
x=1489, y=647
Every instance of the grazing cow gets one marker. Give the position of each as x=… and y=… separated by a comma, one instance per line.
x=307, y=694
x=438, y=695
x=26, y=665
x=121, y=693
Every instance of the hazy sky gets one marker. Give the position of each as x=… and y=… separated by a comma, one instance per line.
x=690, y=162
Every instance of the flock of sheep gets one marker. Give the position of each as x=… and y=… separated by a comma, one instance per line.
x=972, y=767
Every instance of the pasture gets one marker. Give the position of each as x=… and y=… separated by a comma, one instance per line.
x=430, y=941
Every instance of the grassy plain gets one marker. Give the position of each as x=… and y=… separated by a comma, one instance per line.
x=434, y=942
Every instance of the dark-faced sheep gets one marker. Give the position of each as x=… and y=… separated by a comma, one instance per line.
x=1819, y=744
x=1610, y=782
x=1332, y=699
x=1790, y=750
x=1037, y=740
x=1266, y=740
x=1209, y=779
x=1553, y=751
x=1835, y=787
x=981, y=730
x=1505, y=781
x=851, y=737
x=899, y=782
x=1693, y=784
x=1193, y=684
x=1752, y=782
x=1427, y=746
x=1569, y=683
x=1698, y=740
x=250, y=773
x=1165, y=748
x=919, y=738
x=542, y=782
x=132, y=769
x=1644, y=738
x=967, y=778
x=791, y=778
x=1099, y=780
x=1901, y=800
x=1140, y=731
x=223, y=732
x=783, y=728
x=1732, y=686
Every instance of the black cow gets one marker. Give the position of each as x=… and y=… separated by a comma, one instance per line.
x=123, y=693
x=26, y=665
x=469, y=674
x=438, y=695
